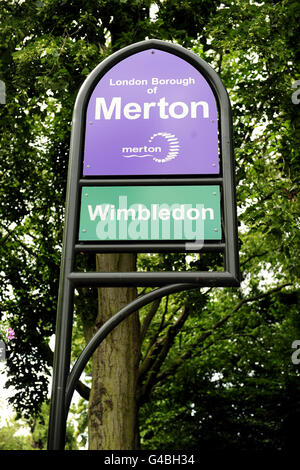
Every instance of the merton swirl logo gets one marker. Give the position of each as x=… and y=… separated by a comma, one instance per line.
x=162, y=147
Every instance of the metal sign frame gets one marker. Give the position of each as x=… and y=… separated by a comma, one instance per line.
x=70, y=279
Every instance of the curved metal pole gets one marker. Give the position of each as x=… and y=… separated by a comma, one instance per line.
x=109, y=326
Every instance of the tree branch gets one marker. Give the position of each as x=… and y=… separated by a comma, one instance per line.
x=170, y=371
x=150, y=314
x=251, y=257
x=161, y=325
x=155, y=346
x=157, y=354
x=83, y=390
x=10, y=233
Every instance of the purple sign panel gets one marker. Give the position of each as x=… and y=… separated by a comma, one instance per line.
x=153, y=113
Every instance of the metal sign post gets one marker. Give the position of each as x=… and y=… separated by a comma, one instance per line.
x=151, y=170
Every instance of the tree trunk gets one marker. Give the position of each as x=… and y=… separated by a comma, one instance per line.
x=112, y=406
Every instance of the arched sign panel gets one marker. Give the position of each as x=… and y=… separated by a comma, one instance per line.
x=153, y=113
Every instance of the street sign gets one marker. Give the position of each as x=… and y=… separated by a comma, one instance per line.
x=152, y=131
x=151, y=170
x=153, y=113
x=116, y=213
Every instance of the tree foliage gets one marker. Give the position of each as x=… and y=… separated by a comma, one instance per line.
x=215, y=365
x=32, y=434
x=11, y=440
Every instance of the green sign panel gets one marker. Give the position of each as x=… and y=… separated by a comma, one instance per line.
x=135, y=213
